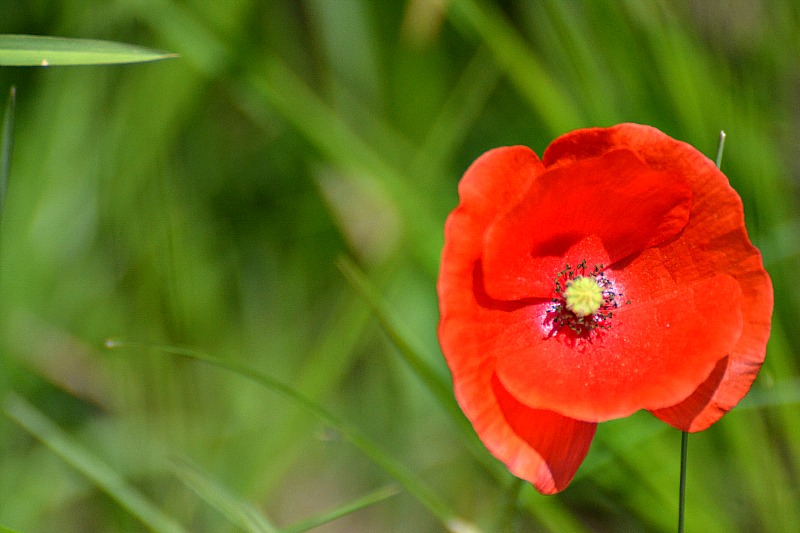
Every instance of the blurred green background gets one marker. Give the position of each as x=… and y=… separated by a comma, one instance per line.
x=208, y=202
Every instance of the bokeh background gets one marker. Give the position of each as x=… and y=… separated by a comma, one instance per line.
x=275, y=198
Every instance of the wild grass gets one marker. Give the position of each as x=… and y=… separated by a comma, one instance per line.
x=275, y=198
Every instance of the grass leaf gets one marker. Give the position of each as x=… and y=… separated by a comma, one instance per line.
x=334, y=514
x=236, y=510
x=416, y=360
x=391, y=466
x=6, y=145
x=42, y=51
x=278, y=86
x=411, y=354
x=91, y=466
x=785, y=392
x=521, y=64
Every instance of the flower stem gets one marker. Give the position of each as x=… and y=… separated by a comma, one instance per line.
x=682, y=488
x=685, y=434
x=720, y=148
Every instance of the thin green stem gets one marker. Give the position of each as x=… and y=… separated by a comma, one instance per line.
x=720, y=148
x=685, y=434
x=682, y=488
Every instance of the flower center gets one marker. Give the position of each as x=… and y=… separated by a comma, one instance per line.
x=584, y=300
x=583, y=296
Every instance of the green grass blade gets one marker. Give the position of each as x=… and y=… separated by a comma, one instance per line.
x=785, y=392
x=101, y=474
x=334, y=514
x=299, y=105
x=327, y=362
x=387, y=463
x=523, y=67
x=411, y=354
x=6, y=145
x=458, y=114
x=438, y=385
x=41, y=51
x=236, y=510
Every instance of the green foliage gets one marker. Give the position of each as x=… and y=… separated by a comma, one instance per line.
x=108, y=479
x=208, y=202
x=43, y=51
x=7, y=143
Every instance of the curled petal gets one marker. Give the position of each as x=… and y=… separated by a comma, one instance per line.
x=548, y=448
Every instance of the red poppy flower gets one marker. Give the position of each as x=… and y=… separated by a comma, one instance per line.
x=614, y=274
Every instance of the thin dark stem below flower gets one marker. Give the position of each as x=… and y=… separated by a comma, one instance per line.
x=685, y=434
x=682, y=488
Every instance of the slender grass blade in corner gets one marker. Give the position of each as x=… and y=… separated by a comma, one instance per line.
x=6, y=145
x=42, y=51
x=334, y=514
x=81, y=459
x=236, y=510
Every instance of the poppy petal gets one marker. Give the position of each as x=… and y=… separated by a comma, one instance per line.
x=552, y=446
x=542, y=447
x=715, y=240
x=658, y=351
x=497, y=181
x=492, y=185
x=616, y=198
